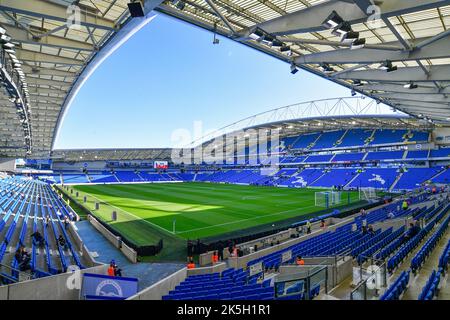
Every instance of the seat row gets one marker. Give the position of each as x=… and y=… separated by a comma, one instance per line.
x=395, y=291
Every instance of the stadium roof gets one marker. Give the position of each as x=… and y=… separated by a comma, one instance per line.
x=370, y=40
x=79, y=155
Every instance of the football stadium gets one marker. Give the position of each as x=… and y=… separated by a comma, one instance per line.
x=331, y=198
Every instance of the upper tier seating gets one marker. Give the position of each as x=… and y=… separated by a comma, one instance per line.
x=388, y=136
x=350, y=156
x=292, y=159
x=288, y=142
x=440, y=153
x=355, y=137
x=305, y=140
x=384, y=155
x=419, y=136
x=417, y=154
x=318, y=158
x=328, y=140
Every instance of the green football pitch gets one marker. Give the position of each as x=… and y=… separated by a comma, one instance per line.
x=195, y=210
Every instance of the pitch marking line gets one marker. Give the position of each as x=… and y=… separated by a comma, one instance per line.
x=135, y=216
x=242, y=220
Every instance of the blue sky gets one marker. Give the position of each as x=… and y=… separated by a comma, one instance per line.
x=169, y=75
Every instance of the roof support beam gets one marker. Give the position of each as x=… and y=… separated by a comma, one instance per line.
x=20, y=35
x=310, y=19
x=436, y=50
x=32, y=56
x=407, y=74
x=46, y=82
x=400, y=89
x=426, y=106
x=47, y=72
x=221, y=16
x=438, y=98
x=56, y=12
x=384, y=46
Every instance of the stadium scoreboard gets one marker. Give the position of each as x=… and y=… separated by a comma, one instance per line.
x=161, y=165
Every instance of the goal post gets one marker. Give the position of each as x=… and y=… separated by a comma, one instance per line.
x=367, y=193
x=327, y=199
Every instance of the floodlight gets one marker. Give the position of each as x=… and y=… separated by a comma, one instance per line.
x=294, y=68
x=342, y=29
x=286, y=50
x=358, y=44
x=333, y=20
x=387, y=66
x=411, y=85
x=325, y=68
x=257, y=34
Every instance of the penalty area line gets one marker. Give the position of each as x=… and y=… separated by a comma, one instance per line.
x=137, y=217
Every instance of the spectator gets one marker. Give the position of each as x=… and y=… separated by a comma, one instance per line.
x=370, y=230
x=322, y=223
x=390, y=215
x=62, y=242
x=308, y=227
x=23, y=258
x=191, y=264
x=220, y=251
x=66, y=222
x=364, y=230
x=117, y=270
x=362, y=212
x=47, y=220
x=405, y=205
x=215, y=257
x=235, y=252
x=38, y=238
x=299, y=261
x=111, y=271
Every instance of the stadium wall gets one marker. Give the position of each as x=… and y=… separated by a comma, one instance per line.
x=48, y=288
x=115, y=240
x=78, y=166
x=241, y=262
x=441, y=136
x=161, y=288
x=80, y=244
x=7, y=165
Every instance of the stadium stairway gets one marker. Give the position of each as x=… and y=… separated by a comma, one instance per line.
x=147, y=273
x=418, y=281
x=399, y=176
x=427, y=268
x=352, y=179
x=342, y=291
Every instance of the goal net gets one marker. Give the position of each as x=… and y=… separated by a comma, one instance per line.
x=327, y=199
x=367, y=194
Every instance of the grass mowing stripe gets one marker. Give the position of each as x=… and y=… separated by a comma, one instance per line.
x=203, y=210
x=218, y=225
x=133, y=215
